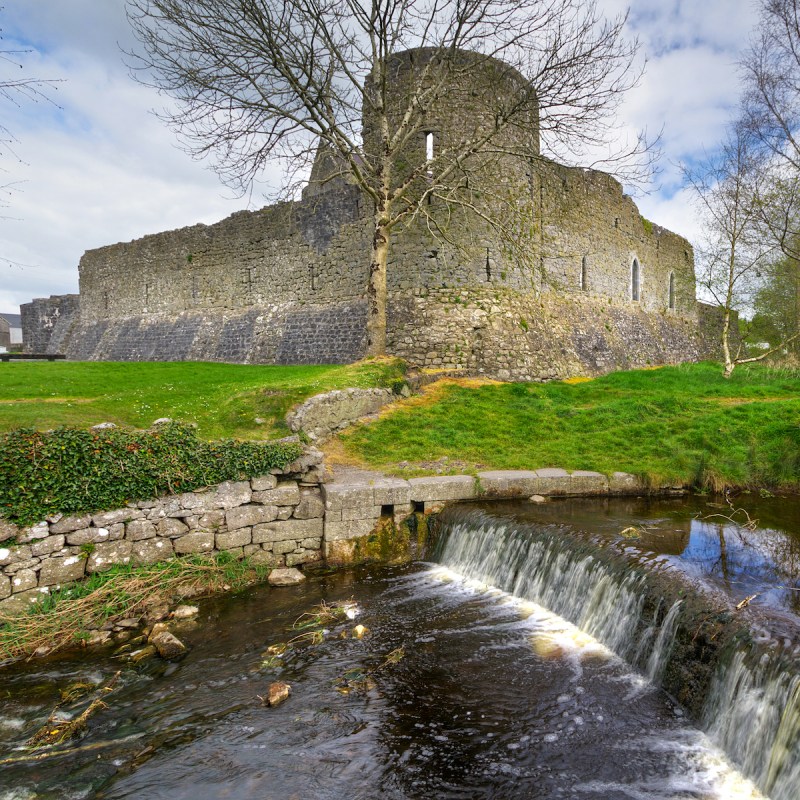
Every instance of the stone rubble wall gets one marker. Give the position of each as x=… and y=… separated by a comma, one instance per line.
x=272, y=520
x=48, y=323
x=324, y=414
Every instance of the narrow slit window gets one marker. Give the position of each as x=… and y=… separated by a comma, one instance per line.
x=635, y=280
x=672, y=290
x=429, y=146
x=583, y=274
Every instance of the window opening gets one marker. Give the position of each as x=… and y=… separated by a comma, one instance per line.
x=672, y=290
x=635, y=280
x=583, y=274
x=488, y=266
x=429, y=146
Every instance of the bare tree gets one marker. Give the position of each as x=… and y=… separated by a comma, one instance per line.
x=729, y=188
x=771, y=104
x=261, y=81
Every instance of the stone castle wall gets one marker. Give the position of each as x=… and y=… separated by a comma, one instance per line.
x=578, y=283
x=48, y=322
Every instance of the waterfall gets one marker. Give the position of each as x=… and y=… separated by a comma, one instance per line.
x=750, y=703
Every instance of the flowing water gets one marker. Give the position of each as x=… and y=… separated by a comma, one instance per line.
x=524, y=674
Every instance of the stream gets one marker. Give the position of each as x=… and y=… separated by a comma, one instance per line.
x=522, y=661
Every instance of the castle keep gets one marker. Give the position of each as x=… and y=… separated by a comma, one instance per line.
x=590, y=285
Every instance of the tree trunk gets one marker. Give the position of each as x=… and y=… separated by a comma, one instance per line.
x=376, y=288
x=730, y=363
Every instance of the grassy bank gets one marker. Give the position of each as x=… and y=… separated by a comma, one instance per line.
x=684, y=423
x=66, y=617
x=224, y=400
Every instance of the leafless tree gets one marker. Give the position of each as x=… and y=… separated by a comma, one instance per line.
x=729, y=187
x=260, y=81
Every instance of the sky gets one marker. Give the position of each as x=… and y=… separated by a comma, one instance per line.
x=94, y=166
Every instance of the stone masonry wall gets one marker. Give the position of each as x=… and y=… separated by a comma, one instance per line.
x=273, y=521
x=47, y=323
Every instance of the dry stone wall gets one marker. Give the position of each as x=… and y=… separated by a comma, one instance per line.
x=271, y=520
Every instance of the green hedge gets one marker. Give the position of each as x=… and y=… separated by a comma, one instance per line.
x=73, y=471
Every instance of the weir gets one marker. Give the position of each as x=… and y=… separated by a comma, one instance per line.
x=736, y=674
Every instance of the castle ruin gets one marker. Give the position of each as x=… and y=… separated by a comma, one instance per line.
x=591, y=285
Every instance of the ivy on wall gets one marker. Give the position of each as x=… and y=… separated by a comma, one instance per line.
x=73, y=470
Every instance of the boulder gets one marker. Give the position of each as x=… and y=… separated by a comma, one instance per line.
x=286, y=576
x=169, y=646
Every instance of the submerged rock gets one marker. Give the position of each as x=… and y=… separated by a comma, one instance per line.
x=285, y=576
x=169, y=646
x=185, y=612
x=278, y=692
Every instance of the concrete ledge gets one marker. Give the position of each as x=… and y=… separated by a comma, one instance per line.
x=512, y=483
x=442, y=488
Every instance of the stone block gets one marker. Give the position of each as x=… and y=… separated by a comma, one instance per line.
x=339, y=496
x=5, y=588
x=310, y=505
x=116, y=531
x=197, y=542
x=171, y=528
x=211, y=519
x=391, y=491
x=39, y=531
x=62, y=570
x=24, y=580
x=280, y=548
x=247, y=516
x=16, y=566
x=624, y=483
x=249, y=549
x=165, y=507
x=44, y=547
x=510, y=483
x=264, y=559
x=140, y=529
x=199, y=501
x=237, y=538
x=232, y=493
x=87, y=535
x=584, y=482
x=106, y=554
x=553, y=481
x=348, y=529
x=284, y=494
x=19, y=603
x=306, y=557
x=263, y=483
x=361, y=512
x=108, y=518
x=442, y=488
x=151, y=551
x=284, y=512
x=69, y=524
x=8, y=530
x=311, y=544
x=290, y=529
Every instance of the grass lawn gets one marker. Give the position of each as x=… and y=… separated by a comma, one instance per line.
x=685, y=423
x=223, y=399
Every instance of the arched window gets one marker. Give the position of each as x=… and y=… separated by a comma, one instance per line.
x=635, y=280
x=672, y=290
x=584, y=267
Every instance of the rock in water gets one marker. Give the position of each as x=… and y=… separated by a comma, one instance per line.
x=278, y=692
x=184, y=612
x=285, y=576
x=169, y=647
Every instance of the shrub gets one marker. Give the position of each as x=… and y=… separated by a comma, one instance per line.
x=73, y=471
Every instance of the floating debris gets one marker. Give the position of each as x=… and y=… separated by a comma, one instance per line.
x=360, y=631
x=75, y=691
x=327, y=614
x=58, y=730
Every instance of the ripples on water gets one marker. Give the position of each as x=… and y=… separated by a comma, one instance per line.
x=495, y=698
